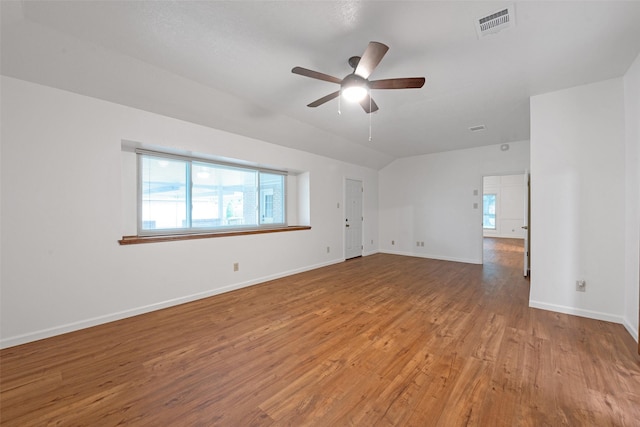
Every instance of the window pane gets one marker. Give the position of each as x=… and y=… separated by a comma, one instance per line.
x=207, y=205
x=223, y=197
x=182, y=195
x=164, y=193
x=489, y=211
x=272, y=205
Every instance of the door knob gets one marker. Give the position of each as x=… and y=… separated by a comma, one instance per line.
x=525, y=227
x=347, y=225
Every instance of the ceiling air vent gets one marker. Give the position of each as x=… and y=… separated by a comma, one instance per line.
x=495, y=22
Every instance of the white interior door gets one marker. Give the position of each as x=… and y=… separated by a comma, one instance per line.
x=353, y=219
x=525, y=226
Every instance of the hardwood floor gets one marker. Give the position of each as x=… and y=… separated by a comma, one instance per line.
x=375, y=341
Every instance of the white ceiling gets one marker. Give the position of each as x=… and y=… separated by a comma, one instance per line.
x=228, y=64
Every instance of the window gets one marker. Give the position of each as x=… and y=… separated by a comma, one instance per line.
x=181, y=195
x=489, y=211
x=271, y=202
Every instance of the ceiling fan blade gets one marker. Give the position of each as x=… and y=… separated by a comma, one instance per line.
x=315, y=75
x=324, y=99
x=369, y=105
x=402, y=83
x=370, y=59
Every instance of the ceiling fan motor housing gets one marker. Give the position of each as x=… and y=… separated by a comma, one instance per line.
x=354, y=80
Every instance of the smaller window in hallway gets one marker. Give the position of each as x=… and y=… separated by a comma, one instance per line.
x=489, y=212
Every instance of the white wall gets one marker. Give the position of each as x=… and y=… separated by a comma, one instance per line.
x=62, y=215
x=510, y=193
x=632, y=197
x=577, y=200
x=437, y=199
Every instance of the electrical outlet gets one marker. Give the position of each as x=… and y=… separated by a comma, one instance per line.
x=393, y=242
x=581, y=286
x=328, y=249
x=417, y=243
x=422, y=244
x=236, y=266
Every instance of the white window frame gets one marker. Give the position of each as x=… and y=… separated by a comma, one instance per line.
x=140, y=153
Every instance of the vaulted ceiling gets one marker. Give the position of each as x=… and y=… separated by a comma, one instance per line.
x=228, y=64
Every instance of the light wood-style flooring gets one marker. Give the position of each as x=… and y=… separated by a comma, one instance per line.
x=382, y=340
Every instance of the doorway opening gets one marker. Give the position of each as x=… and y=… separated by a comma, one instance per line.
x=505, y=218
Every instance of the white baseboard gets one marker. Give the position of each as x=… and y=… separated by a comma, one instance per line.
x=597, y=315
x=504, y=236
x=632, y=329
x=431, y=256
x=99, y=320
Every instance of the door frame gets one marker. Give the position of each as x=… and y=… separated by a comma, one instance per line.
x=480, y=205
x=527, y=223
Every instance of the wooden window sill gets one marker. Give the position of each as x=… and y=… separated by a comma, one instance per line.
x=134, y=240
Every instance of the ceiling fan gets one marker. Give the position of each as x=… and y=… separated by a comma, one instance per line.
x=356, y=86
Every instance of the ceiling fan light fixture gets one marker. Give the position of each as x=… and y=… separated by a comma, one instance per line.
x=354, y=93
x=354, y=88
